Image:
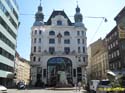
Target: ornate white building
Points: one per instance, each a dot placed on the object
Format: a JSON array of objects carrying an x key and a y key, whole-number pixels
[{"x": 58, "y": 45}]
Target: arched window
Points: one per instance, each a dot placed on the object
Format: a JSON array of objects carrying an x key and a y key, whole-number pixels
[
  {"x": 35, "y": 32},
  {"x": 40, "y": 32},
  {"x": 51, "y": 33},
  {"x": 66, "y": 33},
  {"x": 34, "y": 58},
  {"x": 59, "y": 22}
]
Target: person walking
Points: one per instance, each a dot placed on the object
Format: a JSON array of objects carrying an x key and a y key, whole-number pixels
[{"x": 79, "y": 85}]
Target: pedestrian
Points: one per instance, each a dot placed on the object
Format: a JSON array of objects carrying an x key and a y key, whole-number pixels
[
  {"x": 79, "y": 85},
  {"x": 76, "y": 86}
]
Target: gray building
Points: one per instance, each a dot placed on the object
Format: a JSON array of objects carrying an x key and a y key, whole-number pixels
[{"x": 8, "y": 32}]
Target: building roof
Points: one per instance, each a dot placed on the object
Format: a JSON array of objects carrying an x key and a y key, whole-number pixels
[
  {"x": 55, "y": 13},
  {"x": 120, "y": 14},
  {"x": 112, "y": 31}
]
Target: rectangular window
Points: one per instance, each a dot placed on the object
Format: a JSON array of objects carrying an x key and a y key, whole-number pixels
[
  {"x": 84, "y": 59},
  {"x": 79, "y": 70},
  {"x": 8, "y": 29},
  {"x": 74, "y": 72},
  {"x": 51, "y": 41},
  {"x": 34, "y": 49},
  {"x": 39, "y": 40},
  {"x": 67, "y": 50},
  {"x": 78, "y": 40},
  {"x": 82, "y": 33},
  {"x": 51, "y": 50},
  {"x": 118, "y": 53},
  {"x": 78, "y": 33},
  {"x": 39, "y": 59},
  {"x": 83, "y": 50},
  {"x": 79, "y": 50},
  {"x": 40, "y": 32},
  {"x": 6, "y": 54},
  {"x": 0, "y": 50},
  {"x": 7, "y": 41},
  {"x": 35, "y": 40},
  {"x": 39, "y": 49},
  {"x": 82, "y": 41},
  {"x": 44, "y": 72},
  {"x": 66, "y": 41},
  {"x": 79, "y": 73},
  {"x": 6, "y": 67},
  {"x": 2, "y": 7}
]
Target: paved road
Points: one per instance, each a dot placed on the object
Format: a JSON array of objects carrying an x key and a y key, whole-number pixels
[{"x": 41, "y": 91}]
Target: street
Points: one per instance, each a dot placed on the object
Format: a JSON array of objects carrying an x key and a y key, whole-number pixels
[{"x": 41, "y": 91}]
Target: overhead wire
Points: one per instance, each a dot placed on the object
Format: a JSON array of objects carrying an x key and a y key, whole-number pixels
[
  {"x": 103, "y": 19},
  {"x": 96, "y": 30}
]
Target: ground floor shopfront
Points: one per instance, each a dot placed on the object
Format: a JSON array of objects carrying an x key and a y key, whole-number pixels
[
  {"x": 6, "y": 79},
  {"x": 52, "y": 70}
]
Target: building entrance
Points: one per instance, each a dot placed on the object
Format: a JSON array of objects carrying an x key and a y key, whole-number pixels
[{"x": 59, "y": 71}]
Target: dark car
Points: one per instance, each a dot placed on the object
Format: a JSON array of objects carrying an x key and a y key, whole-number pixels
[{"x": 21, "y": 85}]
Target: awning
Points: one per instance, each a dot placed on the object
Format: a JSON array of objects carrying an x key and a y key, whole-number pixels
[
  {"x": 10, "y": 75},
  {"x": 111, "y": 73},
  {"x": 116, "y": 73}
]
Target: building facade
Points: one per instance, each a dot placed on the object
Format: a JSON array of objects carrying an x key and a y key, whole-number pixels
[
  {"x": 98, "y": 60},
  {"x": 58, "y": 45},
  {"x": 8, "y": 32},
  {"x": 22, "y": 70},
  {"x": 116, "y": 43}
]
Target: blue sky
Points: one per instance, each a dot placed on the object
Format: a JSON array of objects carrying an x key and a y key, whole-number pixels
[{"x": 93, "y": 8}]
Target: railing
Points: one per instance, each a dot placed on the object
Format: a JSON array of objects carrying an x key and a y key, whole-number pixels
[{"x": 83, "y": 64}]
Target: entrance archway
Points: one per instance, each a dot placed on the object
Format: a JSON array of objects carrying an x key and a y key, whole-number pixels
[{"x": 56, "y": 64}]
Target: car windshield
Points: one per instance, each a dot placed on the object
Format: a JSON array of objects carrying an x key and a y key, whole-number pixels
[{"x": 104, "y": 82}]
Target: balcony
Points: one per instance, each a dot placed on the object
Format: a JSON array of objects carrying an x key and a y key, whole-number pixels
[
  {"x": 35, "y": 63},
  {"x": 82, "y": 64}
]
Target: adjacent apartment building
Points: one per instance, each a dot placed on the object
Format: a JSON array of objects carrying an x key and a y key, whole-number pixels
[
  {"x": 22, "y": 69},
  {"x": 58, "y": 45},
  {"x": 98, "y": 60},
  {"x": 8, "y": 33},
  {"x": 116, "y": 44}
]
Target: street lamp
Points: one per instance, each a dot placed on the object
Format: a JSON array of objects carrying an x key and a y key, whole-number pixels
[{"x": 105, "y": 19}]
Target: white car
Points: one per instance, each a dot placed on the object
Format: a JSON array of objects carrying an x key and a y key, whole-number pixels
[
  {"x": 3, "y": 89},
  {"x": 93, "y": 85}
]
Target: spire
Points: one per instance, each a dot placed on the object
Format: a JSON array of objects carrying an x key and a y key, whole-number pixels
[
  {"x": 78, "y": 16},
  {"x": 40, "y": 2},
  {"x": 40, "y": 7},
  {"x": 39, "y": 16},
  {"x": 77, "y": 9}
]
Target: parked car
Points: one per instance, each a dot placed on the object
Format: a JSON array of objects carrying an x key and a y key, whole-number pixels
[
  {"x": 3, "y": 89},
  {"x": 103, "y": 86},
  {"x": 21, "y": 85},
  {"x": 93, "y": 85}
]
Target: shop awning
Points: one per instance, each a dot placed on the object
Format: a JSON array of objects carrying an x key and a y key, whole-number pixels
[
  {"x": 116, "y": 73},
  {"x": 10, "y": 75}
]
